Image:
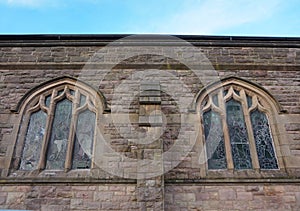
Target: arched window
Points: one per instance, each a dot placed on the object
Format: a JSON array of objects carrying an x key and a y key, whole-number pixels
[
  {"x": 236, "y": 127},
  {"x": 58, "y": 127}
]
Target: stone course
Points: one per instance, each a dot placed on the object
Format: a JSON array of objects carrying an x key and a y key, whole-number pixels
[
  {"x": 177, "y": 197},
  {"x": 274, "y": 65},
  {"x": 69, "y": 197},
  {"x": 232, "y": 197}
]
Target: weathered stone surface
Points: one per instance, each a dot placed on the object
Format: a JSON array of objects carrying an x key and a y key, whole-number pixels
[
  {"x": 274, "y": 68},
  {"x": 231, "y": 198},
  {"x": 227, "y": 194}
]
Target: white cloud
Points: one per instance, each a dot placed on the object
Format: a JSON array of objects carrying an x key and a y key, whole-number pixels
[
  {"x": 211, "y": 16},
  {"x": 29, "y": 3},
  {"x": 45, "y": 3}
]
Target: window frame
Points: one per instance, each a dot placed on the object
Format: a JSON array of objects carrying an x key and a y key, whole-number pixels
[
  {"x": 263, "y": 101},
  {"x": 34, "y": 101}
]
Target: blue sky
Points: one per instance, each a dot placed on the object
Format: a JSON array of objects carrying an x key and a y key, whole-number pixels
[{"x": 203, "y": 17}]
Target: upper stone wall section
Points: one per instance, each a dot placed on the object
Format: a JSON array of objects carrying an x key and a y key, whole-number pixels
[
  {"x": 79, "y": 49},
  {"x": 273, "y": 63}
]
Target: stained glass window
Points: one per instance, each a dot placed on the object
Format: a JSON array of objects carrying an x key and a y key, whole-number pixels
[
  {"x": 263, "y": 140},
  {"x": 33, "y": 141},
  {"x": 236, "y": 123},
  {"x": 84, "y": 137},
  {"x": 214, "y": 137},
  {"x": 59, "y": 135},
  {"x": 238, "y": 135}
]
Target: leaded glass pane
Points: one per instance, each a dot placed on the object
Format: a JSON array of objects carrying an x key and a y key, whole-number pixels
[
  {"x": 47, "y": 100},
  {"x": 82, "y": 100},
  {"x": 215, "y": 100},
  {"x": 57, "y": 148},
  {"x": 72, "y": 92},
  {"x": 205, "y": 101},
  {"x": 84, "y": 140},
  {"x": 225, "y": 92},
  {"x": 249, "y": 101},
  {"x": 236, "y": 91},
  {"x": 214, "y": 140},
  {"x": 60, "y": 92},
  {"x": 263, "y": 140},
  {"x": 238, "y": 135},
  {"x": 33, "y": 141}
]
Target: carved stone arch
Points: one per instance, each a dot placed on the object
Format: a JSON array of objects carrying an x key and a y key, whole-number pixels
[
  {"x": 83, "y": 98},
  {"x": 64, "y": 80},
  {"x": 243, "y": 83},
  {"x": 214, "y": 97}
]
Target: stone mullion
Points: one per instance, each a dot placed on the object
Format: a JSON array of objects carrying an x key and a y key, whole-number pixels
[
  {"x": 228, "y": 150},
  {"x": 69, "y": 154},
  {"x": 253, "y": 152},
  {"x": 50, "y": 117}
]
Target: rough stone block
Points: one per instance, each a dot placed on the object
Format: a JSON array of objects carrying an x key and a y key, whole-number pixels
[
  {"x": 244, "y": 196},
  {"x": 227, "y": 194}
]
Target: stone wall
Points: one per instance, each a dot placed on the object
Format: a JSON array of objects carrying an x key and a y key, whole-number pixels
[
  {"x": 233, "y": 197},
  {"x": 177, "y": 197},
  {"x": 62, "y": 197},
  {"x": 273, "y": 64}
]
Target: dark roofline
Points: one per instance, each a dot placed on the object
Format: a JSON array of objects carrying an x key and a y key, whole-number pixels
[
  {"x": 152, "y": 36},
  {"x": 104, "y": 39}
]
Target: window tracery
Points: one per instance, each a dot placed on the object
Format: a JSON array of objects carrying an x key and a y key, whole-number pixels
[
  {"x": 58, "y": 129},
  {"x": 236, "y": 130}
]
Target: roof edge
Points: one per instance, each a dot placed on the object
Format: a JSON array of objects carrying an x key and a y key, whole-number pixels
[
  {"x": 144, "y": 39},
  {"x": 152, "y": 36}
]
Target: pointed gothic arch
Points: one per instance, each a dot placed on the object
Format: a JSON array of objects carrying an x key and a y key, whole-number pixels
[
  {"x": 58, "y": 121},
  {"x": 56, "y": 82},
  {"x": 246, "y": 84},
  {"x": 238, "y": 123}
]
